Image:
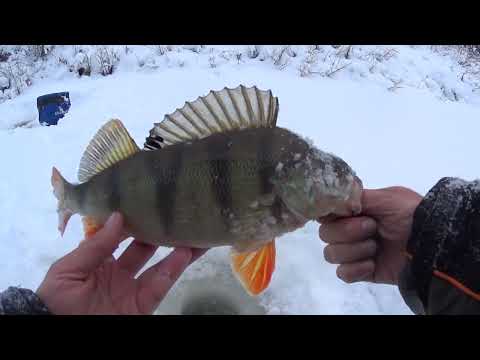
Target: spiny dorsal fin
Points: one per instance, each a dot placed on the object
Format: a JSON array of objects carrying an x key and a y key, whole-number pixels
[
  {"x": 110, "y": 144},
  {"x": 219, "y": 111}
]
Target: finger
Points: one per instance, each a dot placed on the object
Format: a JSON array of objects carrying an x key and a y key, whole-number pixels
[
  {"x": 359, "y": 271},
  {"x": 328, "y": 219},
  {"x": 136, "y": 256},
  {"x": 347, "y": 253},
  {"x": 380, "y": 201},
  {"x": 155, "y": 282},
  {"x": 347, "y": 230},
  {"x": 373, "y": 200},
  {"x": 91, "y": 253}
]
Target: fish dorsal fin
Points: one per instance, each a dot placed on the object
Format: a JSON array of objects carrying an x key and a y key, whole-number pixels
[
  {"x": 111, "y": 144},
  {"x": 219, "y": 111}
]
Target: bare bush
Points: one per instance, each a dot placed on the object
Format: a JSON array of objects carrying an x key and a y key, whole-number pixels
[
  {"x": 162, "y": 49},
  {"x": 253, "y": 51},
  {"x": 107, "y": 59},
  {"x": 226, "y": 55},
  {"x": 306, "y": 68},
  {"x": 467, "y": 55},
  {"x": 212, "y": 61},
  {"x": 4, "y": 55},
  {"x": 63, "y": 60},
  {"x": 470, "y": 73},
  {"x": 344, "y": 51},
  {"x": 238, "y": 56},
  {"x": 194, "y": 48},
  {"x": 82, "y": 64},
  {"x": 388, "y": 54},
  {"x": 5, "y": 84},
  {"x": 396, "y": 85},
  {"x": 77, "y": 49},
  {"x": 280, "y": 56},
  {"x": 86, "y": 67},
  {"x": 468, "y": 52},
  {"x": 37, "y": 52},
  {"x": 449, "y": 93},
  {"x": 378, "y": 55},
  {"x": 16, "y": 76},
  {"x": 336, "y": 64},
  {"x": 329, "y": 60}
]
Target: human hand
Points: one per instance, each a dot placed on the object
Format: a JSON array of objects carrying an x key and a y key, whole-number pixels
[
  {"x": 89, "y": 280},
  {"x": 371, "y": 246}
]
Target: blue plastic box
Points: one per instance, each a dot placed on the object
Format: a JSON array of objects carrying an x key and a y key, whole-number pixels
[{"x": 52, "y": 107}]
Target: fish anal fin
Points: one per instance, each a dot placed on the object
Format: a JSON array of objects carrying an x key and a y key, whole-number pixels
[
  {"x": 63, "y": 217},
  {"x": 90, "y": 226},
  {"x": 254, "y": 269}
]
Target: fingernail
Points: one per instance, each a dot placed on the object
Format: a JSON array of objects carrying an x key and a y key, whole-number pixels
[
  {"x": 369, "y": 224},
  {"x": 113, "y": 219}
]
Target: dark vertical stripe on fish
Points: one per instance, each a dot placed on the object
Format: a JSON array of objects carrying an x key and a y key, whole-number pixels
[
  {"x": 166, "y": 190},
  {"x": 81, "y": 191},
  {"x": 264, "y": 153},
  {"x": 221, "y": 175},
  {"x": 276, "y": 210},
  {"x": 114, "y": 199}
]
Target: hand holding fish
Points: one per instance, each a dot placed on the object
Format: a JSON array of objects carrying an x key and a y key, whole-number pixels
[
  {"x": 89, "y": 280},
  {"x": 371, "y": 247}
]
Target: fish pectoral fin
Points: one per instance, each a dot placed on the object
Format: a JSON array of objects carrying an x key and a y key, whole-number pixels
[
  {"x": 111, "y": 144},
  {"x": 254, "y": 269},
  {"x": 219, "y": 111},
  {"x": 90, "y": 226}
]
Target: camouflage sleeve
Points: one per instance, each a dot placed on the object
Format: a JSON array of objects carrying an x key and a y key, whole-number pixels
[
  {"x": 18, "y": 301},
  {"x": 442, "y": 275}
]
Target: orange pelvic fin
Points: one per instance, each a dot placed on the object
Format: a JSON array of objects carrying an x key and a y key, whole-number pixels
[
  {"x": 254, "y": 269},
  {"x": 90, "y": 226}
]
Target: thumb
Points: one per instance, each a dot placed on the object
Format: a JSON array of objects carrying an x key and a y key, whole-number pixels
[
  {"x": 93, "y": 252},
  {"x": 372, "y": 200},
  {"x": 388, "y": 200},
  {"x": 372, "y": 204}
]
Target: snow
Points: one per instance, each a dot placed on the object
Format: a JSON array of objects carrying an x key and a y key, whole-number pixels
[{"x": 411, "y": 136}]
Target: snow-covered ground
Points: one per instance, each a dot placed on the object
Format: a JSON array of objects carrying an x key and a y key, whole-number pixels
[{"x": 410, "y": 136}]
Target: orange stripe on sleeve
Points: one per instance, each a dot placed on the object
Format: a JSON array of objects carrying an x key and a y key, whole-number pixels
[{"x": 457, "y": 284}]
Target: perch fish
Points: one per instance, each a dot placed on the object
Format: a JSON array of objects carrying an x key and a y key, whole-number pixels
[{"x": 216, "y": 172}]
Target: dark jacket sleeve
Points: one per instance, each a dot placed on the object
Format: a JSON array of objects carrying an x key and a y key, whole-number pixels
[
  {"x": 442, "y": 275},
  {"x": 18, "y": 301}
]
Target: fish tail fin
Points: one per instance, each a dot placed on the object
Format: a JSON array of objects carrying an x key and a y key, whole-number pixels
[
  {"x": 60, "y": 188},
  {"x": 254, "y": 269}
]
